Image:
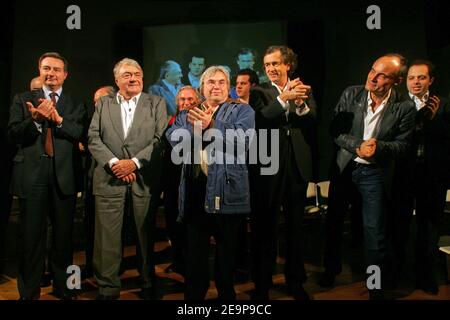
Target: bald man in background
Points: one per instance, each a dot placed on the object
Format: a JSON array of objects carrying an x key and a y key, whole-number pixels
[
  {"x": 36, "y": 83},
  {"x": 372, "y": 129}
]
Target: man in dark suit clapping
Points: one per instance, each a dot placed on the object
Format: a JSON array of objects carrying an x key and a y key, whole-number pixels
[
  {"x": 46, "y": 125},
  {"x": 286, "y": 107}
]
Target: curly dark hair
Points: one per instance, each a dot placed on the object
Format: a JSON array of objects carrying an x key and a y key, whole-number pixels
[{"x": 288, "y": 56}]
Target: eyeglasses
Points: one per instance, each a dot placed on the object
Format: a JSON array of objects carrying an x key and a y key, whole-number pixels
[
  {"x": 128, "y": 75},
  {"x": 219, "y": 83}
]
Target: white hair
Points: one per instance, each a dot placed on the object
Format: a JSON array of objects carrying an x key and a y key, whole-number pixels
[
  {"x": 211, "y": 71},
  {"x": 125, "y": 62}
]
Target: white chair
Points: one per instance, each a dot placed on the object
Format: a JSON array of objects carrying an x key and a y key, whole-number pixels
[
  {"x": 312, "y": 197},
  {"x": 447, "y": 204},
  {"x": 316, "y": 194},
  {"x": 324, "y": 187},
  {"x": 445, "y": 249}
]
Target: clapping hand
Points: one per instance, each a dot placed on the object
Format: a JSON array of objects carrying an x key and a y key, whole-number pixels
[{"x": 197, "y": 114}]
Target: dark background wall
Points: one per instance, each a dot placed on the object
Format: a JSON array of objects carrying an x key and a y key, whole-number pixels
[{"x": 334, "y": 46}]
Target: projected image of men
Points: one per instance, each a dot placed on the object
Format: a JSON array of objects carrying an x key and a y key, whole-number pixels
[
  {"x": 246, "y": 58},
  {"x": 168, "y": 85},
  {"x": 196, "y": 67}
]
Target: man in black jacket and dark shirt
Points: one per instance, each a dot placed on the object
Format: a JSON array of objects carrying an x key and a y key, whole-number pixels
[
  {"x": 287, "y": 108},
  {"x": 428, "y": 172}
]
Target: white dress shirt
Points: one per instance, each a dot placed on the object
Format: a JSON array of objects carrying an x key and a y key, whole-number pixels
[
  {"x": 127, "y": 109},
  {"x": 372, "y": 121},
  {"x": 419, "y": 102}
]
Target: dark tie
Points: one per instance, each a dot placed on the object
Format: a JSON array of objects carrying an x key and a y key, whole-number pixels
[{"x": 48, "y": 145}]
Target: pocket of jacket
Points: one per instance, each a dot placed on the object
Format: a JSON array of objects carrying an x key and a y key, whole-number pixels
[{"x": 236, "y": 190}]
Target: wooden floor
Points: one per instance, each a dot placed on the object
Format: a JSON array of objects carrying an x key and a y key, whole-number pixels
[{"x": 348, "y": 286}]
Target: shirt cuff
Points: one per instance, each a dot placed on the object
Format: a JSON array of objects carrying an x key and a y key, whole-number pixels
[
  {"x": 112, "y": 161},
  {"x": 138, "y": 164},
  {"x": 285, "y": 105},
  {"x": 302, "y": 110},
  {"x": 60, "y": 125},
  {"x": 38, "y": 126}
]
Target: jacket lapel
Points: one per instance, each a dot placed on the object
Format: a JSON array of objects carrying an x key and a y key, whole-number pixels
[
  {"x": 387, "y": 121},
  {"x": 61, "y": 103},
  {"x": 273, "y": 92},
  {"x": 388, "y": 118},
  {"x": 116, "y": 117},
  {"x": 360, "y": 112}
]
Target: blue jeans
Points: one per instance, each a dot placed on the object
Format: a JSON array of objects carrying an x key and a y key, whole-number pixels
[{"x": 369, "y": 181}]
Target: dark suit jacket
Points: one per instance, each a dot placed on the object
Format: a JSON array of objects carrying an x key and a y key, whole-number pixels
[
  {"x": 394, "y": 132},
  {"x": 22, "y": 131},
  {"x": 436, "y": 135},
  {"x": 270, "y": 115}
]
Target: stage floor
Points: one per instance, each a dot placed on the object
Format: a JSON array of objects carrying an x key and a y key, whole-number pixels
[{"x": 349, "y": 285}]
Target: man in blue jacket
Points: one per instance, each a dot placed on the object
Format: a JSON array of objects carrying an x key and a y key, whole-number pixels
[{"x": 214, "y": 193}]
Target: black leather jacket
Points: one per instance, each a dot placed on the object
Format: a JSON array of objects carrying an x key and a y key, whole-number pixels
[{"x": 393, "y": 133}]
